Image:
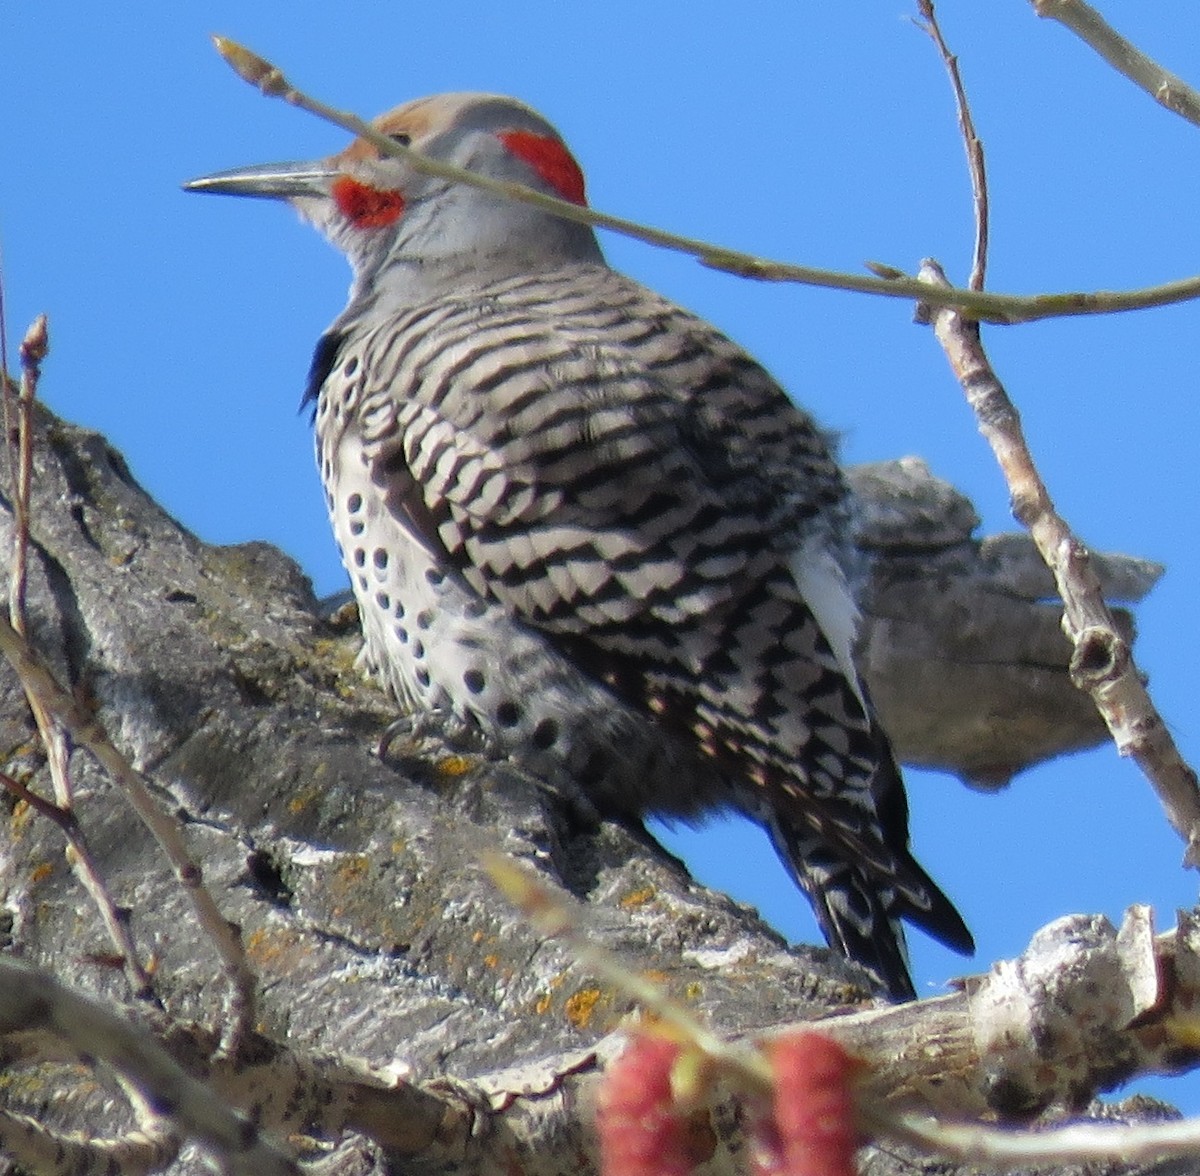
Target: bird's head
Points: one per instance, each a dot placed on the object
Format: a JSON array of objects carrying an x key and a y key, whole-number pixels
[{"x": 380, "y": 210}]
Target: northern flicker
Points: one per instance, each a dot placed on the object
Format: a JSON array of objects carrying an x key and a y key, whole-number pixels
[{"x": 582, "y": 520}]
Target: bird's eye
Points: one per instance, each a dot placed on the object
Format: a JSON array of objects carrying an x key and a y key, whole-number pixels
[{"x": 401, "y": 138}]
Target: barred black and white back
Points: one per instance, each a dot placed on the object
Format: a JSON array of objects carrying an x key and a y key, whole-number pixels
[
  {"x": 582, "y": 519},
  {"x": 613, "y": 542}
]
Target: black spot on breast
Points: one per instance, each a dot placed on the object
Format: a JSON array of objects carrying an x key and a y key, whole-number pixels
[
  {"x": 508, "y": 713},
  {"x": 474, "y": 681},
  {"x": 545, "y": 734}
]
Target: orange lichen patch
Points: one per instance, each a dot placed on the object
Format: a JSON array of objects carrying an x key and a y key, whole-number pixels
[
  {"x": 302, "y": 800},
  {"x": 275, "y": 951},
  {"x": 542, "y": 1005},
  {"x": 453, "y": 766},
  {"x": 491, "y": 960},
  {"x": 346, "y": 881},
  {"x": 22, "y": 813},
  {"x": 352, "y": 868},
  {"x": 580, "y": 1006},
  {"x": 40, "y": 872},
  {"x": 656, "y": 976},
  {"x": 638, "y": 897}
]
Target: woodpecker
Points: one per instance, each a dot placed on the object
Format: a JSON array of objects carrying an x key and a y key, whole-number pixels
[{"x": 588, "y": 525}]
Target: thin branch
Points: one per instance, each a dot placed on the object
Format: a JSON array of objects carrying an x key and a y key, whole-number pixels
[
  {"x": 31, "y": 999},
  {"x": 986, "y": 307},
  {"x": 34, "y": 348},
  {"x": 1102, "y": 663},
  {"x": 971, "y": 143},
  {"x": 87, "y": 870},
  {"x": 85, "y": 729},
  {"x": 1086, "y": 23},
  {"x": 40, "y": 805},
  {"x": 1083, "y": 1143},
  {"x": 20, "y": 432},
  {"x": 38, "y": 1148}
]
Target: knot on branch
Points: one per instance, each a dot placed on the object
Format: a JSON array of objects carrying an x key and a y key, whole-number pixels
[
  {"x": 1100, "y": 655},
  {"x": 1043, "y": 1019}
]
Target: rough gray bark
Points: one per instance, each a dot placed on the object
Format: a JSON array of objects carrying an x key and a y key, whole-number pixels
[{"x": 366, "y": 917}]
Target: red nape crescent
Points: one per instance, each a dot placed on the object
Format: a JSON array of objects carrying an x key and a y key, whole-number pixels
[
  {"x": 551, "y": 160},
  {"x": 366, "y": 207}
]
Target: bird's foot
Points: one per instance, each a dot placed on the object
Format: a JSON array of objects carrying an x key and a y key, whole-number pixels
[{"x": 432, "y": 734}]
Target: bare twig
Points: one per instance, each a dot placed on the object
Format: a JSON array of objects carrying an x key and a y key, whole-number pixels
[
  {"x": 86, "y": 730},
  {"x": 87, "y": 870},
  {"x": 971, "y": 142},
  {"x": 40, "y": 805},
  {"x": 32, "y": 1000},
  {"x": 1102, "y": 663},
  {"x": 34, "y": 348},
  {"x": 38, "y": 1148},
  {"x": 1082, "y": 1143},
  {"x": 981, "y": 305},
  {"x": 1086, "y": 23},
  {"x": 20, "y": 431},
  {"x": 58, "y": 716}
]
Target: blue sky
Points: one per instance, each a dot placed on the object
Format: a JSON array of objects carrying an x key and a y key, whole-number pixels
[{"x": 820, "y": 133}]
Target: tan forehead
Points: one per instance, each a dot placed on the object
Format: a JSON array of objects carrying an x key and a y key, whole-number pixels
[{"x": 417, "y": 119}]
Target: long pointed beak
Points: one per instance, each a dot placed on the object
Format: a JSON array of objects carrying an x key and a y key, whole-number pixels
[{"x": 277, "y": 181}]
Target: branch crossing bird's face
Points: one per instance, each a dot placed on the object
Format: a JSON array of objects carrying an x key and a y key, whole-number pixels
[{"x": 375, "y": 207}]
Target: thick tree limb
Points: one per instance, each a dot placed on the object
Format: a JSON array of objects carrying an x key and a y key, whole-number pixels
[{"x": 369, "y": 926}]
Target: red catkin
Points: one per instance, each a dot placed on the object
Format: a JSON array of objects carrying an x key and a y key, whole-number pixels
[
  {"x": 641, "y": 1131},
  {"x": 812, "y": 1130}
]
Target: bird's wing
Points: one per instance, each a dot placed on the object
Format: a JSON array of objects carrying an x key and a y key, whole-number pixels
[
  {"x": 585, "y": 481},
  {"x": 641, "y": 496}
]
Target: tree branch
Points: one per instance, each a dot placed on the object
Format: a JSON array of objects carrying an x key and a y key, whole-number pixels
[
  {"x": 1102, "y": 664},
  {"x": 987, "y": 307},
  {"x": 1126, "y": 58}
]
